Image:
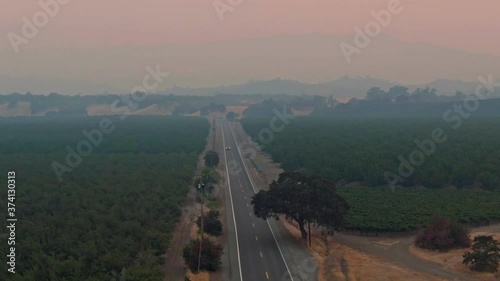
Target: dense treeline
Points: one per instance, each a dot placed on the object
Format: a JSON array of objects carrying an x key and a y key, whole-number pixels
[
  {"x": 56, "y": 105},
  {"x": 135, "y": 134},
  {"x": 358, "y": 152},
  {"x": 433, "y": 106},
  {"x": 363, "y": 150},
  {"x": 111, "y": 218},
  {"x": 269, "y": 107}
]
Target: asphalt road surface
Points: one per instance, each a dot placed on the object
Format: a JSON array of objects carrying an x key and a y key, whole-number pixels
[{"x": 258, "y": 253}]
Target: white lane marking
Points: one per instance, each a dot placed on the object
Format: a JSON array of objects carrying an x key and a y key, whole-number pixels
[
  {"x": 232, "y": 206},
  {"x": 255, "y": 191}
]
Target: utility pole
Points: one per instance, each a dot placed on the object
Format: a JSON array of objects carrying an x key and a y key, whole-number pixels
[
  {"x": 213, "y": 132},
  {"x": 201, "y": 185},
  {"x": 309, "y": 225}
]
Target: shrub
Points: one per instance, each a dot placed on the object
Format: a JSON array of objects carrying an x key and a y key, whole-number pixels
[
  {"x": 210, "y": 255},
  {"x": 211, "y": 158},
  {"x": 211, "y": 223},
  {"x": 442, "y": 234}
]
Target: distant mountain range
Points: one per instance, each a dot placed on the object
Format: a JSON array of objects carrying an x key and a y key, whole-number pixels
[
  {"x": 312, "y": 58},
  {"x": 346, "y": 87}
]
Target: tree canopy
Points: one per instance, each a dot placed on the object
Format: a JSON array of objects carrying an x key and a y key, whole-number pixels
[
  {"x": 303, "y": 199},
  {"x": 211, "y": 158},
  {"x": 485, "y": 255},
  {"x": 112, "y": 217},
  {"x": 443, "y": 234}
]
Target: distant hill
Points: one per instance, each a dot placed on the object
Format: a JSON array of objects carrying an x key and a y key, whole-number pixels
[
  {"x": 342, "y": 88},
  {"x": 313, "y": 58}
]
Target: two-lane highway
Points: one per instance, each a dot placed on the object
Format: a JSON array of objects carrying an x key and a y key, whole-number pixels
[{"x": 258, "y": 252}]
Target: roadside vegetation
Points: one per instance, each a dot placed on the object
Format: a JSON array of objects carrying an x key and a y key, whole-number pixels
[
  {"x": 305, "y": 200},
  {"x": 204, "y": 252}
]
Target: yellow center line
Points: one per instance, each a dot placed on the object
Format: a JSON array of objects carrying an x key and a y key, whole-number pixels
[{"x": 267, "y": 275}]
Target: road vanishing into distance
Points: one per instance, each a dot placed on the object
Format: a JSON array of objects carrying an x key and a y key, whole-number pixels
[{"x": 259, "y": 256}]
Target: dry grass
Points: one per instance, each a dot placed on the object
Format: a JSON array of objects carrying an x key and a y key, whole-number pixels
[
  {"x": 99, "y": 109},
  {"x": 202, "y": 276},
  {"x": 302, "y": 112},
  {"x": 106, "y": 109},
  {"x": 154, "y": 110},
  {"x": 236, "y": 109},
  {"x": 453, "y": 259},
  {"x": 360, "y": 266},
  {"x": 21, "y": 109}
]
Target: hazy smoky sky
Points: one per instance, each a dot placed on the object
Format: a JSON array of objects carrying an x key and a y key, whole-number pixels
[{"x": 466, "y": 25}]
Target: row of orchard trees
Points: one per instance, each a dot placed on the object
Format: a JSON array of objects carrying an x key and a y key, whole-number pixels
[
  {"x": 366, "y": 150},
  {"x": 112, "y": 217}
]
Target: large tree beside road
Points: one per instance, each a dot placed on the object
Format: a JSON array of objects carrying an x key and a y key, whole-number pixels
[{"x": 305, "y": 200}]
